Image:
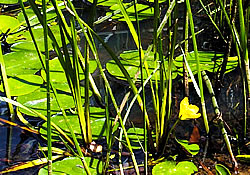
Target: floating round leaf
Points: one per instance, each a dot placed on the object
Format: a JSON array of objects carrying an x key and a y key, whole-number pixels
[
  {"x": 170, "y": 168},
  {"x": 10, "y": 1},
  {"x": 23, "y": 84},
  {"x": 131, "y": 62},
  {"x": 32, "y": 16},
  {"x": 73, "y": 166},
  {"x": 209, "y": 61},
  {"x": 144, "y": 12},
  {"x": 107, "y": 2},
  {"x": 186, "y": 167},
  {"x": 64, "y": 88},
  {"x": 8, "y": 23},
  {"x": 57, "y": 72},
  {"x": 37, "y": 100},
  {"x": 191, "y": 148},
  {"x": 18, "y": 63},
  {"x": 166, "y": 167},
  {"x": 38, "y": 34},
  {"x": 136, "y": 135},
  {"x": 97, "y": 120}
]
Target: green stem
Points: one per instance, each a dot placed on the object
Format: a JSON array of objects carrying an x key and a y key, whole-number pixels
[
  {"x": 5, "y": 82},
  {"x": 143, "y": 94},
  {"x": 45, "y": 32},
  {"x": 170, "y": 131},
  {"x": 204, "y": 114},
  {"x": 219, "y": 117}
]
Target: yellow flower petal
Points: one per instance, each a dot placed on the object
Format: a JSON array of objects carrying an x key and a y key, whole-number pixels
[{"x": 188, "y": 111}]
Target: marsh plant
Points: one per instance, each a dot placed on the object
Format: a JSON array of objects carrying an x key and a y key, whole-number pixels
[{"x": 46, "y": 73}]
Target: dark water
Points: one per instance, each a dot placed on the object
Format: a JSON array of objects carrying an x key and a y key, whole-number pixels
[{"x": 16, "y": 146}]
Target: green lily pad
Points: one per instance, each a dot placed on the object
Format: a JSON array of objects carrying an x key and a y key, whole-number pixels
[
  {"x": 23, "y": 84},
  {"x": 209, "y": 61},
  {"x": 131, "y": 62},
  {"x": 37, "y": 100},
  {"x": 136, "y": 135},
  {"x": 34, "y": 20},
  {"x": 112, "y": 2},
  {"x": 32, "y": 16},
  {"x": 97, "y": 120},
  {"x": 40, "y": 2},
  {"x": 19, "y": 63},
  {"x": 221, "y": 170},
  {"x": 64, "y": 88},
  {"x": 28, "y": 44},
  {"x": 170, "y": 168},
  {"x": 160, "y": 1},
  {"x": 144, "y": 12},
  {"x": 57, "y": 73},
  {"x": 73, "y": 166},
  {"x": 191, "y": 148},
  {"x": 14, "y": 37},
  {"x": 106, "y": 2},
  {"x": 8, "y": 22},
  {"x": 10, "y": 1}
]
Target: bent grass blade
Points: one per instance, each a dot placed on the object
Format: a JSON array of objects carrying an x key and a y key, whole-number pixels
[{"x": 29, "y": 164}]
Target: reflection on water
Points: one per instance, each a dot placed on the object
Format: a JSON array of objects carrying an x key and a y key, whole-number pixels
[{"x": 16, "y": 146}]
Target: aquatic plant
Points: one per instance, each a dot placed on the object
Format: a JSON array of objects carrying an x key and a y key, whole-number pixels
[{"x": 50, "y": 87}]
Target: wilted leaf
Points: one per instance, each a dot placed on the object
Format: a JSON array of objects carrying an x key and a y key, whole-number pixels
[{"x": 29, "y": 164}]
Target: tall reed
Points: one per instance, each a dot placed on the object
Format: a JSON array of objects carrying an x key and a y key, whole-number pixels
[
  {"x": 5, "y": 83},
  {"x": 45, "y": 34},
  {"x": 204, "y": 114}
]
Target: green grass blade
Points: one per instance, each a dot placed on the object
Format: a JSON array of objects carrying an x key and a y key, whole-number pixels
[
  {"x": 130, "y": 24},
  {"x": 198, "y": 66},
  {"x": 166, "y": 16},
  {"x": 76, "y": 85},
  {"x": 52, "y": 87},
  {"x": 143, "y": 94},
  {"x": 45, "y": 31},
  {"x": 36, "y": 114},
  {"x": 112, "y": 54},
  {"x": 5, "y": 81},
  {"x": 244, "y": 44},
  {"x": 219, "y": 117},
  {"x": 213, "y": 22},
  {"x": 94, "y": 51}
]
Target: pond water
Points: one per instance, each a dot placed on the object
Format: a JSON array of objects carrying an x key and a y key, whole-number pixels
[{"x": 18, "y": 145}]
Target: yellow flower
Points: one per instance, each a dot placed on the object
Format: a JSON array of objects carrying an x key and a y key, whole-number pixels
[{"x": 188, "y": 111}]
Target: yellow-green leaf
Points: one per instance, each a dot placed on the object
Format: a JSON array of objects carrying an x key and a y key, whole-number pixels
[{"x": 29, "y": 164}]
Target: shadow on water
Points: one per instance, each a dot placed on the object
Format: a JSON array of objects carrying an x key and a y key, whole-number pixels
[{"x": 16, "y": 146}]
